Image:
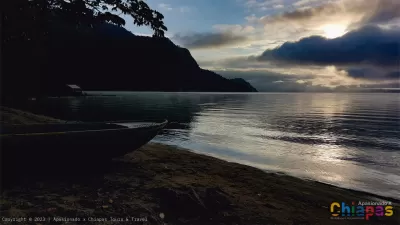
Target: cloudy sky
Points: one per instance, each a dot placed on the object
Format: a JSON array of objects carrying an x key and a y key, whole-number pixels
[{"x": 290, "y": 45}]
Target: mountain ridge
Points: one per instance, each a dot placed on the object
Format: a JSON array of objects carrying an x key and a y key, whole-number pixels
[
  {"x": 107, "y": 58},
  {"x": 170, "y": 67}
]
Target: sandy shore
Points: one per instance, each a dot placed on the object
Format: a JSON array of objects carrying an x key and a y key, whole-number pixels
[{"x": 168, "y": 185}]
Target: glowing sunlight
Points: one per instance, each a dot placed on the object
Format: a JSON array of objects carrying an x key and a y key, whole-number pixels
[{"x": 334, "y": 30}]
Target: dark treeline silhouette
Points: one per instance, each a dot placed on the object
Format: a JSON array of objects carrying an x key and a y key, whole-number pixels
[{"x": 50, "y": 43}]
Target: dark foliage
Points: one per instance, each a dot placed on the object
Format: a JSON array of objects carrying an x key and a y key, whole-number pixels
[{"x": 30, "y": 19}]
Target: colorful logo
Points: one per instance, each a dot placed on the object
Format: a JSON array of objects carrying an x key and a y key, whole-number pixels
[{"x": 360, "y": 210}]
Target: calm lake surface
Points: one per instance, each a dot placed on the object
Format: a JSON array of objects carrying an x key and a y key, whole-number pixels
[{"x": 349, "y": 140}]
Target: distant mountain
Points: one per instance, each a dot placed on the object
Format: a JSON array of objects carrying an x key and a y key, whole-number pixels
[
  {"x": 110, "y": 58},
  {"x": 242, "y": 82}
]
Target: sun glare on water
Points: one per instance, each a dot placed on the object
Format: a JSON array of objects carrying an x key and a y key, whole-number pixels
[{"x": 334, "y": 31}]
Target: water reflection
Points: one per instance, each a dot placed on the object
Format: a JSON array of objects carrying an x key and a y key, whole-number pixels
[
  {"x": 350, "y": 140},
  {"x": 317, "y": 136}
]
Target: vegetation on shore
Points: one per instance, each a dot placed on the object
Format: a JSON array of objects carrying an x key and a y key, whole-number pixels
[{"x": 168, "y": 185}]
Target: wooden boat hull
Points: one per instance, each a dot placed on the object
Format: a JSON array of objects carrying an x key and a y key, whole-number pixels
[{"x": 77, "y": 148}]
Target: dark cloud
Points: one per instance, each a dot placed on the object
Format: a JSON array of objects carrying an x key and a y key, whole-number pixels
[
  {"x": 393, "y": 75},
  {"x": 375, "y": 11},
  {"x": 305, "y": 14},
  {"x": 360, "y": 73},
  {"x": 209, "y": 40},
  {"x": 384, "y": 11},
  {"x": 373, "y": 74},
  {"x": 368, "y": 45},
  {"x": 312, "y": 13}
]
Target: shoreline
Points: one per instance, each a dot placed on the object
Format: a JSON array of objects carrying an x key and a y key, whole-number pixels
[
  {"x": 359, "y": 191},
  {"x": 168, "y": 184}
]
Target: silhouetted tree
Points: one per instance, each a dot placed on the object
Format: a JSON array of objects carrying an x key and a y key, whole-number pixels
[{"x": 29, "y": 18}]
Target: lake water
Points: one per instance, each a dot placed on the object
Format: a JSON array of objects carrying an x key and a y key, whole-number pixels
[{"x": 349, "y": 140}]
